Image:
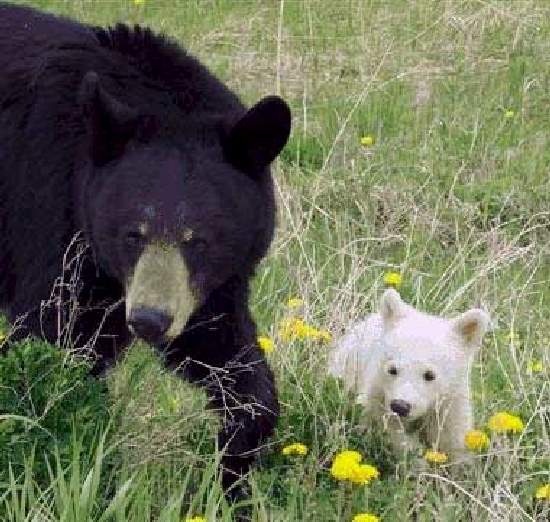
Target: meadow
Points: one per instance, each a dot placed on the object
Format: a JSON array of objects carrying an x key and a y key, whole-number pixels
[{"x": 421, "y": 146}]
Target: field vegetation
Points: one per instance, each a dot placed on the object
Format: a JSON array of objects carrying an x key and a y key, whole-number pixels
[{"x": 420, "y": 145}]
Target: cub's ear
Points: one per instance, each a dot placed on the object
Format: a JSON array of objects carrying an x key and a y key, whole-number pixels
[
  {"x": 471, "y": 326},
  {"x": 392, "y": 308},
  {"x": 110, "y": 124},
  {"x": 256, "y": 139}
]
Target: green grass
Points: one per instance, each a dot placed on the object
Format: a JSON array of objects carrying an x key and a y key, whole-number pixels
[{"x": 454, "y": 194}]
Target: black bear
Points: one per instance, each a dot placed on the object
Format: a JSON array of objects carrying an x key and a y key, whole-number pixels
[{"x": 136, "y": 200}]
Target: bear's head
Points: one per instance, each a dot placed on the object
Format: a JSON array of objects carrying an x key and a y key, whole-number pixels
[
  {"x": 425, "y": 359},
  {"x": 172, "y": 208}
]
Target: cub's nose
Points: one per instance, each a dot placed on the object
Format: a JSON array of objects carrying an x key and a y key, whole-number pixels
[
  {"x": 402, "y": 408},
  {"x": 149, "y": 324}
]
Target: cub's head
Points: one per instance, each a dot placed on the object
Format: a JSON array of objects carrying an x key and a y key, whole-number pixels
[
  {"x": 175, "y": 206},
  {"x": 425, "y": 358}
]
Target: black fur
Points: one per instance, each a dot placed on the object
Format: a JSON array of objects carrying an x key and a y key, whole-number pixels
[{"x": 97, "y": 124}]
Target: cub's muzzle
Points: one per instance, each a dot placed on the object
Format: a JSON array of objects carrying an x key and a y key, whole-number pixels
[{"x": 402, "y": 408}]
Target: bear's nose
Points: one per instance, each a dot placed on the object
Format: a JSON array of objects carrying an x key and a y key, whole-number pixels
[
  {"x": 402, "y": 408},
  {"x": 149, "y": 324}
]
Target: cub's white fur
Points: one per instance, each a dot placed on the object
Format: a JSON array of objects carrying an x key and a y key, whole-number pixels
[{"x": 412, "y": 369}]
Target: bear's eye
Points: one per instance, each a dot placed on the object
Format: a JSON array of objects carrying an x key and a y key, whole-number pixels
[
  {"x": 392, "y": 370},
  {"x": 134, "y": 238},
  {"x": 186, "y": 235},
  {"x": 429, "y": 375}
]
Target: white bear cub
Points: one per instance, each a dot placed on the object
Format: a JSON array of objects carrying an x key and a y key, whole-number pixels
[{"x": 412, "y": 369}]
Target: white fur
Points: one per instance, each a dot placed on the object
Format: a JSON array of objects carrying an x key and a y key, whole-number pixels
[{"x": 413, "y": 343}]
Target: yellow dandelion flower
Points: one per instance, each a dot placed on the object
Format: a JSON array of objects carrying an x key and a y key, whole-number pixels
[
  {"x": 509, "y": 114},
  {"x": 363, "y": 473},
  {"x": 344, "y": 464},
  {"x": 304, "y": 331},
  {"x": 533, "y": 366},
  {"x": 196, "y": 519},
  {"x": 436, "y": 457},
  {"x": 543, "y": 492},
  {"x": 367, "y": 140},
  {"x": 365, "y": 517},
  {"x": 349, "y": 455},
  {"x": 2, "y": 337},
  {"x": 266, "y": 344},
  {"x": 476, "y": 440},
  {"x": 139, "y": 2},
  {"x": 297, "y": 448},
  {"x": 514, "y": 337},
  {"x": 296, "y": 328},
  {"x": 324, "y": 335},
  {"x": 295, "y": 302},
  {"x": 503, "y": 421},
  {"x": 287, "y": 329},
  {"x": 173, "y": 404},
  {"x": 293, "y": 328},
  {"x": 393, "y": 279}
]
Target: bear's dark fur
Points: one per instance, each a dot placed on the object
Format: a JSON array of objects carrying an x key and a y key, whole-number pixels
[{"x": 117, "y": 151}]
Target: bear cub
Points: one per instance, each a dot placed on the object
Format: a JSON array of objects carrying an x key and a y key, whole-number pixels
[{"x": 412, "y": 370}]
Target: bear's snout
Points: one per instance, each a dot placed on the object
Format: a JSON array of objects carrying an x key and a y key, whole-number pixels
[
  {"x": 149, "y": 324},
  {"x": 402, "y": 408}
]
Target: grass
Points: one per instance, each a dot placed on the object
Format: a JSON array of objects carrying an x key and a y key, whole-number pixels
[{"x": 454, "y": 194}]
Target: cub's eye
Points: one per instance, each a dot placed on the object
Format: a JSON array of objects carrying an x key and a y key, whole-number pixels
[
  {"x": 429, "y": 375},
  {"x": 392, "y": 370},
  {"x": 134, "y": 238}
]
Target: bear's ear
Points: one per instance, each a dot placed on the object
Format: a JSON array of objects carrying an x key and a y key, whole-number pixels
[
  {"x": 392, "y": 308},
  {"x": 109, "y": 123},
  {"x": 471, "y": 326},
  {"x": 256, "y": 139}
]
